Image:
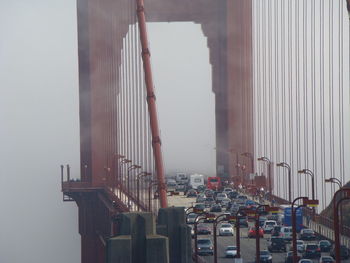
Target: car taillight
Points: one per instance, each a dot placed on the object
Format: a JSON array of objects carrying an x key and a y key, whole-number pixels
[{"x": 318, "y": 249}]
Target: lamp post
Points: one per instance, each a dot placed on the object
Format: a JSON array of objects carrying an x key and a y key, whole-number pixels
[
  {"x": 217, "y": 220},
  {"x": 251, "y": 157},
  {"x": 257, "y": 236},
  {"x": 334, "y": 180},
  {"x": 267, "y": 160},
  {"x": 138, "y": 178},
  {"x": 123, "y": 161},
  {"x": 285, "y": 165},
  {"x": 294, "y": 229},
  {"x": 309, "y": 172},
  {"x": 130, "y": 168},
  {"x": 196, "y": 221},
  {"x": 336, "y": 203},
  {"x": 151, "y": 183}
]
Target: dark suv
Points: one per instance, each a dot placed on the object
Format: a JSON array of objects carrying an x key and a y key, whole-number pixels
[
  {"x": 277, "y": 244},
  {"x": 312, "y": 251}
]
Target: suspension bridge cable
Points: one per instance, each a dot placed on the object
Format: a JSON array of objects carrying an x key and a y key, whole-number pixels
[
  {"x": 305, "y": 61},
  {"x": 322, "y": 92}
]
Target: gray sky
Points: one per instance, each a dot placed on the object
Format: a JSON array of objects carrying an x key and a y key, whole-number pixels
[{"x": 40, "y": 123}]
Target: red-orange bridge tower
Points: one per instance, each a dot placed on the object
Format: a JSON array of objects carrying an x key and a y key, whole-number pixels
[{"x": 120, "y": 148}]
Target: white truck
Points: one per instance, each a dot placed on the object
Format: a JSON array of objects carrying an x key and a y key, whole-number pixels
[{"x": 196, "y": 180}]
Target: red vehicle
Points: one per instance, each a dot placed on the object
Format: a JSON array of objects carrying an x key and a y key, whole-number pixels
[
  {"x": 214, "y": 183},
  {"x": 252, "y": 232}
]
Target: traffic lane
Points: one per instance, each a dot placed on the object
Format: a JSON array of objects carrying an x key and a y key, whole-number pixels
[{"x": 248, "y": 247}]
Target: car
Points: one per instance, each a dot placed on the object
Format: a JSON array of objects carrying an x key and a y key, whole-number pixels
[
  {"x": 220, "y": 197},
  {"x": 203, "y": 230},
  {"x": 191, "y": 218},
  {"x": 205, "y": 247},
  {"x": 199, "y": 206},
  {"x": 276, "y": 231},
  {"x": 344, "y": 252},
  {"x": 180, "y": 187},
  {"x": 300, "y": 246},
  {"x": 232, "y": 195},
  {"x": 277, "y": 244},
  {"x": 216, "y": 208},
  {"x": 226, "y": 230},
  {"x": 326, "y": 259},
  {"x": 265, "y": 256},
  {"x": 325, "y": 245},
  {"x": 269, "y": 225},
  {"x": 209, "y": 201},
  {"x": 252, "y": 232},
  {"x": 225, "y": 202},
  {"x": 307, "y": 234},
  {"x": 191, "y": 193},
  {"x": 304, "y": 260},
  {"x": 209, "y": 193},
  {"x": 312, "y": 251},
  {"x": 201, "y": 188},
  {"x": 230, "y": 251},
  {"x": 286, "y": 233},
  {"x": 227, "y": 190}
]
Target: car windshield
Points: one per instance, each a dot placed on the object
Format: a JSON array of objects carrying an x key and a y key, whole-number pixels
[
  {"x": 226, "y": 225},
  {"x": 277, "y": 240},
  {"x": 231, "y": 248},
  {"x": 324, "y": 242},
  {"x": 308, "y": 231},
  {"x": 204, "y": 242},
  {"x": 311, "y": 246},
  {"x": 300, "y": 242},
  {"x": 213, "y": 180},
  {"x": 192, "y": 215},
  {"x": 287, "y": 230},
  {"x": 264, "y": 253},
  {"x": 270, "y": 223}
]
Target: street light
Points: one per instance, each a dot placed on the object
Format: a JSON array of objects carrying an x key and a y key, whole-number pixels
[
  {"x": 251, "y": 157},
  {"x": 131, "y": 167},
  {"x": 336, "y": 220},
  {"x": 196, "y": 221},
  {"x": 306, "y": 201},
  {"x": 309, "y": 172},
  {"x": 334, "y": 180},
  {"x": 285, "y": 165},
  {"x": 267, "y": 160},
  {"x": 138, "y": 177}
]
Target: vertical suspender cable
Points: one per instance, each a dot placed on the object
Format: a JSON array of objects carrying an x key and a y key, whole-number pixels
[
  {"x": 277, "y": 52},
  {"x": 276, "y": 86},
  {"x": 270, "y": 116},
  {"x": 290, "y": 88},
  {"x": 313, "y": 90},
  {"x": 298, "y": 117},
  {"x": 151, "y": 104},
  {"x": 331, "y": 89},
  {"x": 341, "y": 94},
  {"x": 322, "y": 128},
  {"x": 305, "y": 148}
]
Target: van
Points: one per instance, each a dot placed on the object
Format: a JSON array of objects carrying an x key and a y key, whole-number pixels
[
  {"x": 196, "y": 180},
  {"x": 286, "y": 233},
  {"x": 269, "y": 225}
]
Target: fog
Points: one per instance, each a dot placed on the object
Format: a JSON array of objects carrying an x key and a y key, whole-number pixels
[{"x": 40, "y": 122}]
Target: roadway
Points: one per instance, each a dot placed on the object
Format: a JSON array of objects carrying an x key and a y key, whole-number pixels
[{"x": 248, "y": 247}]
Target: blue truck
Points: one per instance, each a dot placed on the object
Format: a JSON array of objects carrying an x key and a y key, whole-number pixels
[{"x": 288, "y": 217}]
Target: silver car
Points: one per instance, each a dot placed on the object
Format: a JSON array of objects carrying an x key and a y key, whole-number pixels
[
  {"x": 205, "y": 247},
  {"x": 231, "y": 251}
]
